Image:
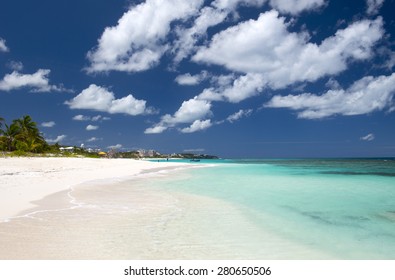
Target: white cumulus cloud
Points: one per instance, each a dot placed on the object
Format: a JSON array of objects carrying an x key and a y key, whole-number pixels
[
  {"x": 87, "y": 118},
  {"x": 81, "y": 118},
  {"x": 189, "y": 111},
  {"x": 38, "y": 82},
  {"x": 332, "y": 84},
  {"x": 58, "y": 139},
  {"x": 231, "y": 5},
  {"x": 48, "y": 124},
  {"x": 220, "y": 11},
  {"x": 296, "y": 6},
  {"x": 3, "y": 47},
  {"x": 93, "y": 139},
  {"x": 140, "y": 38},
  {"x": 373, "y": 6},
  {"x": 190, "y": 80},
  {"x": 15, "y": 65},
  {"x": 207, "y": 17},
  {"x": 278, "y": 58},
  {"x": 189, "y": 37},
  {"x": 235, "y": 90},
  {"x": 285, "y": 6},
  {"x": 137, "y": 42},
  {"x": 238, "y": 115},
  {"x": 101, "y": 99},
  {"x": 366, "y": 95},
  {"x": 196, "y": 126},
  {"x": 158, "y": 128},
  {"x": 92, "y": 127},
  {"x": 369, "y": 137},
  {"x": 97, "y": 118}
]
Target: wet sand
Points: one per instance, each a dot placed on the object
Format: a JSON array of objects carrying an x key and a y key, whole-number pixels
[
  {"x": 25, "y": 180},
  {"x": 131, "y": 220}
]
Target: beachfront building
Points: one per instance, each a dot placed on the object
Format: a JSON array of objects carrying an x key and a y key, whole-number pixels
[
  {"x": 66, "y": 149},
  {"x": 90, "y": 150},
  {"x": 147, "y": 153}
]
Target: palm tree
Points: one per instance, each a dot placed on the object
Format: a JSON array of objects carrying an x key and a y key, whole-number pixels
[
  {"x": 29, "y": 133},
  {"x": 22, "y": 135},
  {"x": 28, "y": 127},
  {"x": 10, "y": 135},
  {"x": 29, "y": 145},
  {"x": 1, "y": 133},
  {"x": 1, "y": 124}
]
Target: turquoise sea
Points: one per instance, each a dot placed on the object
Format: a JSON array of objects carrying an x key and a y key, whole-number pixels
[
  {"x": 303, "y": 209},
  {"x": 342, "y": 207}
]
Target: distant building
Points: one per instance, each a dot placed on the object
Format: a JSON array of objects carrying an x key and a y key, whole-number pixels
[
  {"x": 147, "y": 153},
  {"x": 90, "y": 150},
  {"x": 67, "y": 149}
]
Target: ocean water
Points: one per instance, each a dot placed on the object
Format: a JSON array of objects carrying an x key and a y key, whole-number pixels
[
  {"x": 218, "y": 209},
  {"x": 344, "y": 208}
]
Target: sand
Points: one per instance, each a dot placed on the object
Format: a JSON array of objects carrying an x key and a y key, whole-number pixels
[
  {"x": 25, "y": 180},
  {"x": 65, "y": 208}
]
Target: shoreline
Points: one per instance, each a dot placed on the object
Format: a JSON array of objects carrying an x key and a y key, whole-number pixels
[
  {"x": 67, "y": 208},
  {"x": 136, "y": 220},
  {"x": 26, "y": 180}
]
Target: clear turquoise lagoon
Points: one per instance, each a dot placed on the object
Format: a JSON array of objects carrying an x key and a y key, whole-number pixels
[
  {"x": 342, "y": 207},
  {"x": 303, "y": 209}
]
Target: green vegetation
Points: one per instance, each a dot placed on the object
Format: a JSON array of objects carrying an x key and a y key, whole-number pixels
[
  {"x": 22, "y": 136},
  {"x": 130, "y": 154},
  {"x": 196, "y": 156}
]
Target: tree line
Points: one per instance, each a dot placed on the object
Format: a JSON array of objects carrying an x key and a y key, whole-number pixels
[{"x": 22, "y": 135}]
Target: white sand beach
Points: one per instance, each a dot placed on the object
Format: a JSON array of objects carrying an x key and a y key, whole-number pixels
[
  {"x": 79, "y": 208},
  {"x": 25, "y": 180}
]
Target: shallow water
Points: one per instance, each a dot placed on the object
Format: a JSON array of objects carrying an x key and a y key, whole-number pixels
[
  {"x": 233, "y": 209},
  {"x": 345, "y": 208}
]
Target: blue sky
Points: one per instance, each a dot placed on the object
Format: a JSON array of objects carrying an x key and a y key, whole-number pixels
[{"x": 235, "y": 78}]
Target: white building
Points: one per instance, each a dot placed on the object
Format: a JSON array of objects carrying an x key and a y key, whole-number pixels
[{"x": 146, "y": 153}]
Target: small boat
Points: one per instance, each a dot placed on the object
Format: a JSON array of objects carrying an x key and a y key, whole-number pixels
[{"x": 195, "y": 160}]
